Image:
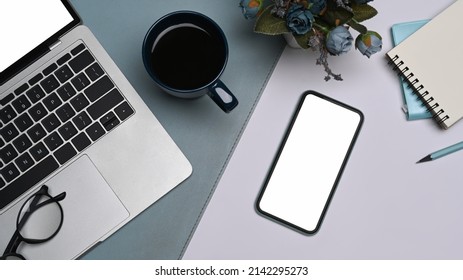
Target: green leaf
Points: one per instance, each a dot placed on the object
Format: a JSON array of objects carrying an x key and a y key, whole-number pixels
[
  {"x": 303, "y": 40},
  {"x": 269, "y": 24},
  {"x": 322, "y": 26},
  {"x": 337, "y": 16},
  {"x": 363, "y": 12},
  {"x": 357, "y": 26}
]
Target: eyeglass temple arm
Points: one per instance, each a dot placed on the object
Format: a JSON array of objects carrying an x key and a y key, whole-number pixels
[
  {"x": 13, "y": 244},
  {"x": 15, "y": 241}
]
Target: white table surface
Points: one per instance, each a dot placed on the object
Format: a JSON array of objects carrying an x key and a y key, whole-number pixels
[{"x": 386, "y": 206}]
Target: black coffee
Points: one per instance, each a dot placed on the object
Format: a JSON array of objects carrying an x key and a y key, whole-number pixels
[{"x": 188, "y": 58}]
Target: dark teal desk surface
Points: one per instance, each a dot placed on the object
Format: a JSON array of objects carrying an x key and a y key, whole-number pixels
[{"x": 205, "y": 134}]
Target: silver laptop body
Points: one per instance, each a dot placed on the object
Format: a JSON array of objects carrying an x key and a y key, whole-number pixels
[{"x": 131, "y": 163}]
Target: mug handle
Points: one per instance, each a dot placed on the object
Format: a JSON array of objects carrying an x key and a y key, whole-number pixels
[{"x": 222, "y": 96}]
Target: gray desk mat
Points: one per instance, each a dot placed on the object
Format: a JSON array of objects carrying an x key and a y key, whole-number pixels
[{"x": 203, "y": 132}]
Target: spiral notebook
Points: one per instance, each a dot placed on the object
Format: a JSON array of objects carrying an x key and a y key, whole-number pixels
[
  {"x": 413, "y": 106},
  {"x": 430, "y": 60}
]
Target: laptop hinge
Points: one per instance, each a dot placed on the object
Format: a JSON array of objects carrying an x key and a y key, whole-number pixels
[{"x": 57, "y": 43}]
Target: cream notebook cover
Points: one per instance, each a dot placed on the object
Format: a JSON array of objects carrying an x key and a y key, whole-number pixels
[{"x": 431, "y": 60}]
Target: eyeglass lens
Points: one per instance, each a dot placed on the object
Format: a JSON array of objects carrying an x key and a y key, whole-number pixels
[{"x": 40, "y": 218}]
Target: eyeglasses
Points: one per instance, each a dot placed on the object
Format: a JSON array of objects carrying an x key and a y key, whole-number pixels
[{"x": 39, "y": 220}]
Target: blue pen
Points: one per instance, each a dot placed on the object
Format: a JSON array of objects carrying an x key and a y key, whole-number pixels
[{"x": 442, "y": 152}]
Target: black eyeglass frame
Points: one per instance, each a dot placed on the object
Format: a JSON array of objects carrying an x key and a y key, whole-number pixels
[{"x": 21, "y": 220}]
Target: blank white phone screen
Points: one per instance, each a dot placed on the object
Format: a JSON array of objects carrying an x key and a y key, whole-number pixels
[{"x": 308, "y": 166}]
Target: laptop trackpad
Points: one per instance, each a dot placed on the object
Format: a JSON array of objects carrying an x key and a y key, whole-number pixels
[{"x": 91, "y": 210}]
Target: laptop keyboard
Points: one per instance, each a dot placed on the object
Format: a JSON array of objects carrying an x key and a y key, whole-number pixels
[{"x": 53, "y": 117}]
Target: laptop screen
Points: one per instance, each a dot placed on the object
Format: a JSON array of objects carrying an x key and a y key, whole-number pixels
[{"x": 28, "y": 28}]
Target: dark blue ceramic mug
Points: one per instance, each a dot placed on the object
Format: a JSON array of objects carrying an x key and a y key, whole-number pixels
[{"x": 185, "y": 53}]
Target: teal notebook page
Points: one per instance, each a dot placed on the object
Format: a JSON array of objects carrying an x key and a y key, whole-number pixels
[{"x": 413, "y": 107}]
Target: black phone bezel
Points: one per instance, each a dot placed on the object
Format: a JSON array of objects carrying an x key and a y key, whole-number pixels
[{"x": 280, "y": 149}]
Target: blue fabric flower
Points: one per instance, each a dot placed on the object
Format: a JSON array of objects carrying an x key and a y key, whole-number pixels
[
  {"x": 339, "y": 40},
  {"x": 369, "y": 43},
  {"x": 299, "y": 20},
  {"x": 317, "y": 6},
  {"x": 251, "y": 8}
]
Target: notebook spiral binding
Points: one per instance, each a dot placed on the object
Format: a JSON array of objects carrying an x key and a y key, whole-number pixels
[{"x": 438, "y": 114}]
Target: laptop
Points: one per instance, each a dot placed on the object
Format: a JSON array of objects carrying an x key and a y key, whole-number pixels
[{"x": 70, "y": 120}]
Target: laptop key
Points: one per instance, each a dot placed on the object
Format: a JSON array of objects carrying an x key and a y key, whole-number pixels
[
  {"x": 82, "y": 120},
  {"x": 81, "y": 141},
  {"x": 123, "y": 111},
  {"x": 39, "y": 151},
  {"x": 65, "y": 112},
  {"x": 27, "y": 180},
  {"x": 35, "y": 94},
  {"x": 64, "y": 73},
  {"x": 47, "y": 71},
  {"x": 80, "y": 82},
  {"x": 95, "y": 131},
  {"x": 7, "y": 99},
  {"x": 36, "y": 133},
  {"x": 109, "y": 121},
  {"x": 67, "y": 131},
  {"x": 51, "y": 122},
  {"x": 50, "y": 84},
  {"x": 99, "y": 88},
  {"x": 8, "y": 153},
  {"x": 63, "y": 59},
  {"x": 21, "y": 89},
  {"x": 35, "y": 79},
  {"x": 65, "y": 153},
  {"x": 22, "y": 143},
  {"x": 66, "y": 91},
  {"x": 53, "y": 141},
  {"x": 78, "y": 49},
  {"x": 81, "y": 61},
  {"x": 79, "y": 102},
  {"x": 9, "y": 132},
  {"x": 94, "y": 72},
  {"x": 104, "y": 104},
  {"x": 21, "y": 104},
  {"x": 52, "y": 102},
  {"x": 7, "y": 114},
  {"x": 38, "y": 112},
  {"x": 10, "y": 172},
  {"x": 23, "y": 122},
  {"x": 24, "y": 162}
]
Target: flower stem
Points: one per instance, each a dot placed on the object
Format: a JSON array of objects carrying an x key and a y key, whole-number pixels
[{"x": 321, "y": 27}]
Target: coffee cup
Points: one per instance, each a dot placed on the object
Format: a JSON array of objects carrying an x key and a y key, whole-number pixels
[{"x": 185, "y": 53}]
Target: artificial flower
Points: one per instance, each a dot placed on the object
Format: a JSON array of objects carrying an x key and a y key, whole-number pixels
[
  {"x": 339, "y": 40},
  {"x": 321, "y": 25},
  {"x": 251, "y": 8},
  {"x": 299, "y": 20},
  {"x": 369, "y": 43},
  {"x": 317, "y": 7}
]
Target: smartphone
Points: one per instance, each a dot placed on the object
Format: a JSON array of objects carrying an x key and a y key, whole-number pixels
[{"x": 309, "y": 162}]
